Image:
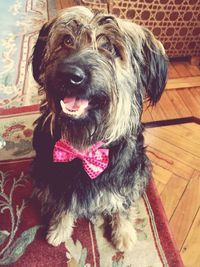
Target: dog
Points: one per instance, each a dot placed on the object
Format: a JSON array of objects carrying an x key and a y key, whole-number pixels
[{"x": 95, "y": 71}]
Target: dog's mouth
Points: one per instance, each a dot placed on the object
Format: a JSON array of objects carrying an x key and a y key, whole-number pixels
[{"x": 74, "y": 107}]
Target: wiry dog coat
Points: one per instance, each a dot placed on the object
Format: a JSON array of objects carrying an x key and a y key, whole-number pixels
[{"x": 95, "y": 71}]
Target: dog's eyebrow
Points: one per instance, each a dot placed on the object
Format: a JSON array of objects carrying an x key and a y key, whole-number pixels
[
  {"x": 72, "y": 23},
  {"x": 107, "y": 19}
]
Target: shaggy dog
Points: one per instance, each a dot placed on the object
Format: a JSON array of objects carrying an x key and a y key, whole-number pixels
[{"x": 95, "y": 71}]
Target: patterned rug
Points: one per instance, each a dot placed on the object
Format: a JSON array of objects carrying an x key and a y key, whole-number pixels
[
  {"x": 20, "y": 23},
  {"x": 22, "y": 237}
]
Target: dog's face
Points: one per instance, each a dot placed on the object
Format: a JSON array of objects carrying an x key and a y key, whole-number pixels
[{"x": 96, "y": 70}]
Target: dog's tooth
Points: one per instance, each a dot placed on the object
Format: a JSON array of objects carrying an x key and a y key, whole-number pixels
[
  {"x": 68, "y": 112},
  {"x": 62, "y": 105}
]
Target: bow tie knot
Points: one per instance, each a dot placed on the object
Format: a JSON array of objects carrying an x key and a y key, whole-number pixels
[{"x": 95, "y": 159}]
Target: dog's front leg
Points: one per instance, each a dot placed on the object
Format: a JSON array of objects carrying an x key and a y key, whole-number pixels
[
  {"x": 123, "y": 234},
  {"x": 60, "y": 228}
]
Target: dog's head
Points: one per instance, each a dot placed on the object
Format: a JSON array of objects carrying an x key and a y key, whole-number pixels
[{"x": 96, "y": 70}]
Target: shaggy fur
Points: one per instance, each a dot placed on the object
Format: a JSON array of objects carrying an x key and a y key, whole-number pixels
[{"x": 112, "y": 64}]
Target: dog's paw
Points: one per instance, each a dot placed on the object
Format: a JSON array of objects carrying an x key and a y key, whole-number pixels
[
  {"x": 124, "y": 238},
  {"x": 61, "y": 231},
  {"x": 56, "y": 237}
]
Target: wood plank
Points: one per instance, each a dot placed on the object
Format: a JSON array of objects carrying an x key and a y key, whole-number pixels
[
  {"x": 181, "y": 69},
  {"x": 185, "y": 82},
  {"x": 168, "y": 107},
  {"x": 196, "y": 93},
  {"x": 179, "y": 103},
  {"x": 146, "y": 115},
  {"x": 195, "y": 60},
  {"x": 172, "y": 73},
  {"x": 171, "y": 194},
  {"x": 190, "y": 101},
  {"x": 177, "y": 154},
  {"x": 176, "y": 139},
  {"x": 190, "y": 252},
  {"x": 188, "y": 206},
  {"x": 159, "y": 186},
  {"x": 194, "y": 127},
  {"x": 163, "y": 160},
  {"x": 161, "y": 174},
  {"x": 189, "y": 131},
  {"x": 194, "y": 70},
  {"x": 157, "y": 112}
]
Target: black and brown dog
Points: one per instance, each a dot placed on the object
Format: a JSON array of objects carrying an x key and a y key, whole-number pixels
[{"x": 95, "y": 70}]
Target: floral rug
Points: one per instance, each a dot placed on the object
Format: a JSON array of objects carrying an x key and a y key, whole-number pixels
[{"x": 20, "y": 23}]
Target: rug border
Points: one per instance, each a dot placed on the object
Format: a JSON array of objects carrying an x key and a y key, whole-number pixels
[
  {"x": 166, "y": 238},
  {"x": 19, "y": 110}
]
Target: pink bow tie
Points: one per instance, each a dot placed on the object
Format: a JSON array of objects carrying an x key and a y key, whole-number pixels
[{"x": 95, "y": 159}]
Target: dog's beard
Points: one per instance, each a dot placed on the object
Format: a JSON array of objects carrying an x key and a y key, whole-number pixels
[
  {"x": 83, "y": 112},
  {"x": 85, "y": 131},
  {"x": 88, "y": 128}
]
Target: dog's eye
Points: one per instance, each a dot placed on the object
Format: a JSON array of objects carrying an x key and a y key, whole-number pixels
[
  {"x": 68, "y": 41},
  {"x": 106, "y": 45},
  {"x": 111, "y": 48}
]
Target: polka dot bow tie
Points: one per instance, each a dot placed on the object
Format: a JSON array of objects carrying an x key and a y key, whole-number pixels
[{"x": 95, "y": 159}]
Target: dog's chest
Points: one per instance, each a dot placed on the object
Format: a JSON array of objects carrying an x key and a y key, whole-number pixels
[{"x": 105, "y": 202}]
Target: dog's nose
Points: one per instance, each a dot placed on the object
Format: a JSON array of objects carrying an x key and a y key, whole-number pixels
[
  {"x": 72, "y": 75},
  {"x": 75, "y": 76}
]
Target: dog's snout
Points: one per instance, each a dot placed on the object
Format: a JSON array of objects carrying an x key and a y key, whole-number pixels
[{"x": 72, "y": 75}]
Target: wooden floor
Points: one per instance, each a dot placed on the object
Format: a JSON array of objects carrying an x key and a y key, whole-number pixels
[
  {"x": 180, "y": 103},
  {"x": 175, "y": 153}
]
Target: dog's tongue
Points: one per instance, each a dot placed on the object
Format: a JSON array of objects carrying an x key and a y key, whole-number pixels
[{"x": 73, "y": 103}]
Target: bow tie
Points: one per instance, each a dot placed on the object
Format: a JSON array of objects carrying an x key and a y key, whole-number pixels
[{"x": 95, "y": 159}]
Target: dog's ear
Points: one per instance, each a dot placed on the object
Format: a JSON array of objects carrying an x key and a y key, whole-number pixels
[
  {"x": 154, "y": 67},
  {"x": 150, "y": 56},
  {"x": 39, "y": 50}
]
